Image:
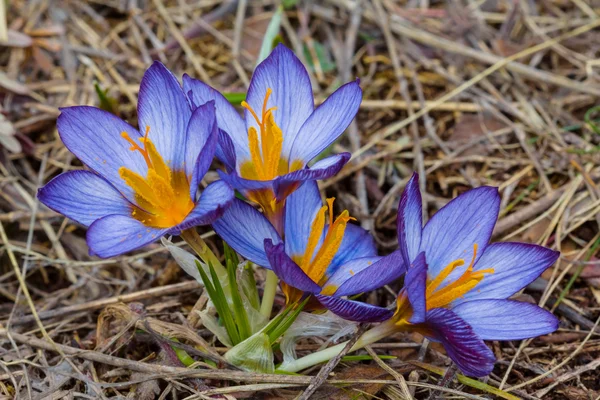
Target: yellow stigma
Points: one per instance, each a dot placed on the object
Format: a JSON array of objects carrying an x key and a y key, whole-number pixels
[
  {"x": 266, "y": 161},
  {"x": 163, "y": 196},
  {"x": 437, "y": 297},
  {"x": 315, "y": 267}
]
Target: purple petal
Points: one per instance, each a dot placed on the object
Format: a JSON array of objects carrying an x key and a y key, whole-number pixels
[
  {"x": 226, "y": 151},
  {"x": 370, "y": 277},
  {"x": 355, "y": 310},
  {"x": 322, "y": 169},
  {"x": 83, "y": 196},
  {"x": 346, "y": 273},
  {"x": 245, "y": 230},
  {"x": 212, "y": 204},
  {"x": 94, "y": 136},
  {"x": 300, "y": 210},
  {"x": 287, "y": 270},
  {"x": 327, "y": 123},
  {"x": 356, "y": 243},
  {"x": 292, "y": 94},
  {"x": 462, "y": 344},
  {"x": 164, "y": 108},
  {"x": 515, "y": 266},
  {"x": 228, "y": 119},
  {"x": 452, "y": 232},
  {"x": 244, "y": 185},
  {"x": 202, "y": 137},
  {"x": 415, "y": 284},
  {"x": 410, "y": 219},
  {"x": 506, "y": 319},
  {"x": 117, "y": 234}
]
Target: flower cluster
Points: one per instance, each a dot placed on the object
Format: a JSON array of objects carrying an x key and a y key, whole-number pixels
[{"x": 144, "y": 183}]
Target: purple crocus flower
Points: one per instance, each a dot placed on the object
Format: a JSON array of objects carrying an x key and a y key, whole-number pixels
[
  {"x": 457, "y": 284},
  {"x": 327, "y": 259},
  {"x": 266, "y": 153},
  {"x": 142, "y": 185}
]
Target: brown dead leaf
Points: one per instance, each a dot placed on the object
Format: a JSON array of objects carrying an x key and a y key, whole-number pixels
[
  {"x": 12, "y": 85},
  {"x": 254, "y": 31},
  {"x": 7, "y": 136},
  {"x": 470, "y": 127},
  {"x": 16, "y": 39}
]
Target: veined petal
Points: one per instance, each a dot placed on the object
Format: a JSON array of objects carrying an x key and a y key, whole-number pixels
[
  {"x": 226, "y": 151},
  {"x": 506, "y": 319},
  {"x": 356, "y": 243},
  {"x": 117, "y": 234},
  {"x": 320, "y": 170},
  {"x": 410, "y": 220},
  {"x": 300, "y": 211},
  {"x": 454, "y": 230},
  {"x": 94, "y": 136},
  {"x": 245, "y": 230},
  {"x": 327, "y": 122},
  {"x": 202, "y": 139},
  {"x": 515, "y": 266},
  {"x": 284, "y": 74},
  {"x": 212, "y": 204},
  {"x": 462, "y": 344},
  {"x": 244, "y": 185},
  {"x": 415, "y": 285},
  {"x": 379, "y": 271},
  {"x": 83, "y": 196},
  {"x": 287, "y": 270},
  {"x": 342, "y": 282},
  {"x": 164, "y": 108},
  {"x": 355, "y": 310},
  {"x": 228, "y": 119}
]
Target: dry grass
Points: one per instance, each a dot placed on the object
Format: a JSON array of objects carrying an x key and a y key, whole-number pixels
[{"x": 467, "y": 93}]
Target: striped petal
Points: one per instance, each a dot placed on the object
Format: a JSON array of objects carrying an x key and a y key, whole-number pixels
[
  {"x": 202, "y": 139},
  {"x": 164, "y": 108},
  {"x": 506, "y": 319},
  {"x": 83, "y": 196},
  {"x": 410, "y": 220},
  {"x": 287, "y": 270},
  {"x": 355, "y": 310}
]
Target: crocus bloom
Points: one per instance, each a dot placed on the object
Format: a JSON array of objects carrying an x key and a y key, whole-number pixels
[
  {"x": 266, "y": 153},
  {"x": 327, "y": 259},
  {"x": 457, "y": 284},
  {"x": 142, "y": 185}
]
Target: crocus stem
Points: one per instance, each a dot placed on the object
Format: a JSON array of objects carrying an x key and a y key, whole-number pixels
[
  {"x": 202, "y": 250},
  {"x": 266, "y": 307},
  {"x": 371, "y": 336}
]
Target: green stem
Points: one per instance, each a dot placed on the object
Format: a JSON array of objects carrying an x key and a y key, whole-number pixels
[
  {"x": 371, "y": 336},
  {"x": 203, "y": 251},
  {"x": 266, "y": 307}
]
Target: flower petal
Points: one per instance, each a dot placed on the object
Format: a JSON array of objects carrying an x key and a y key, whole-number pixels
[
  {"x": 346, "y": 272},
  {"x": 213, "y": 202},
  {"x": 462, "y": 344},
  {"x": 415, "y": 284},
  {"x": 453, "y": 231},
  {"x": 226, "y": 151},
  {"x": 327, "y": 122},
  {"x": 356, "y": 243},
  {"x": 506, "y": 319},
  {"x": 94, "y": 136},
  {"x": 117, "y": 234},
  {"x": 300, "y": 210},
  {"x": 228, "y": 119},
  {"x": 371, "y": 276},
  {"x": 244, "y": 185},
  {"x": 322, "y": 169},
  {"x": 202, "y": 139},
  {"x": 83, "y": 196},
  {"x": 355, "y": 310},
  {"x": 410, "y": 220},
  {"x": 287, "y": 270},
  {"x": 515, "y": 266},
  {"x": 163, "y": 107},
  {"x": 245, "y": 230},
  {"x": 292, "y": 94}
]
